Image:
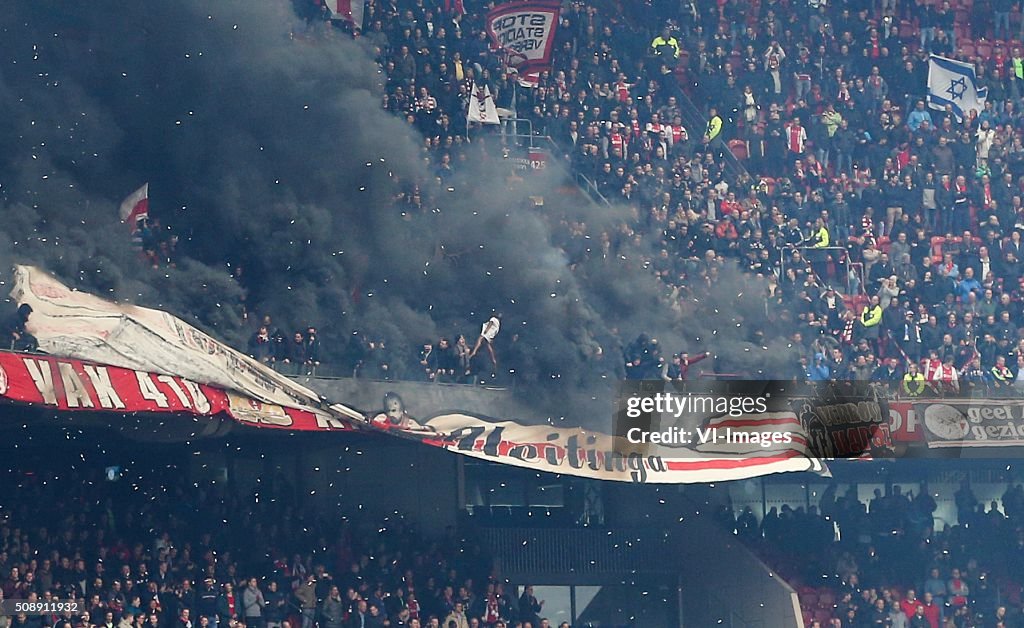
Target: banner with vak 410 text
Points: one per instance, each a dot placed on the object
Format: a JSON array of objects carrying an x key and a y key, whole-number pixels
[
  {"x": 73, "y": 324},
  {"x": 44, "y": 381}
]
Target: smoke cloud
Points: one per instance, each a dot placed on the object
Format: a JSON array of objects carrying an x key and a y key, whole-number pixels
[{"x": 272, "y": 154}]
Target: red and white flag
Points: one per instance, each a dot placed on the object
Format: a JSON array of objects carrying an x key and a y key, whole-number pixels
[
  {"x": 349, "y": 10},
  {"x": 525, "y": 32},
  {"x": 136, "y": 206},
  {"x": 454, "y": 6},
  {"x": 481, "y": 106},
  {"x": 529, "y": 80}
]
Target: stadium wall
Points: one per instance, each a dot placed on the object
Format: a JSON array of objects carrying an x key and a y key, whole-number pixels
[{"x": 423, "y": 398}]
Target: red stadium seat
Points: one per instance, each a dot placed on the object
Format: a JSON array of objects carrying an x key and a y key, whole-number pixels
[
  {"x": 1012, "y": 591},
  {"x": 967, "y": 50},
  {"x": 823, "y": 615},
  {"x": 738, "y": 148},
  {"x": 907, "y": 30},
  {"x": 984, "y": 49},
  {"x": 937, "y": 242},
  {"x": 826, "y": 599}
]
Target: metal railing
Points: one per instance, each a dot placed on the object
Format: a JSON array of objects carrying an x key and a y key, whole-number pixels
[
  {"x": 696, "y": 120},
  {"x": 520, "y": 133},
  {"x": 841, "y": 258}
]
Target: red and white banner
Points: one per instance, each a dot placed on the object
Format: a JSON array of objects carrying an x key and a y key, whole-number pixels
[
  {"x": 529, "y": 80},
  {"x": 454, "y": 7},
  {"x": 525, "y": 33},
  {"x": 108, "y": 357},
  {"x": 134, "y": 207},
  {"x": 904, "y": 424},
  {"x": 348, "y": 10},
  {"x": 73, "y": 324},
  {"x": 76, "y": 386},
  {"x": 585, "y": 453}
]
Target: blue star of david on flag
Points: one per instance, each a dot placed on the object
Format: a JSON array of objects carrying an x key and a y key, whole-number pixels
[
  {"x": 952, "y": 85},
  {"x": 956, "y": 88}
]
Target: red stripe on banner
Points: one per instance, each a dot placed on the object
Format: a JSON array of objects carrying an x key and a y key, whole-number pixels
[
  {"x": 75, "y": 386},
  {"x": 754, "y": 422},
  {"x": 689, "y": 465}
]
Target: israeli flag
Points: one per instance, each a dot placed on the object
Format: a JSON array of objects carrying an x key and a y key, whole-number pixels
[{"x": 953, "y": 83}]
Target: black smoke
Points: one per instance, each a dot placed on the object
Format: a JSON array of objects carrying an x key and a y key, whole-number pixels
[{"x": 267, "y": 150}]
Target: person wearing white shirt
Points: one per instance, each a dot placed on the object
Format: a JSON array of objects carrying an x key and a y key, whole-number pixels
[{"x": 488, "y": 332}]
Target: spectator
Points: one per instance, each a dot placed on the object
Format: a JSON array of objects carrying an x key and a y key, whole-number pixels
[
  {"x": 253, "y": 601},
  {"x": 305, "y": 593},
  {"x": 294, "y": 356},
  {"x": 488, "y": 332},
  {"x": 276, "y": 608},
  {"x": 15, "y": 333},
  {"x": 311, "y": 351},
  {"x": 332, "y": 611},
  {"x": 261, "y": 347},
  {"x": 457, "y": 618}
]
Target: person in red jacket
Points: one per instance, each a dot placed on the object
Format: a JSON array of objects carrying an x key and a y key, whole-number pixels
[
  {"x": 681, "y": 363},
  {"x": 932, "y": 612},
  {"x": 958, "y": 590},
  {"x": 910, "y": 603}
]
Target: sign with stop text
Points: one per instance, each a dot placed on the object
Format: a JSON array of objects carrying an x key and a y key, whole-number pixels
[{"x": 525, "y": 32}]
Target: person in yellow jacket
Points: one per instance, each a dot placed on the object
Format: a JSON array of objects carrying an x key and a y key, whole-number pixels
[
  {"x": 913, "y": 382},
  {"x": 1002, "y": 375},
  {"x": 666, "y": 46},
  {"x": 820, "y": 239},
  {"x": 870, "y": 322},
  {"x": 714, "y": 128}
]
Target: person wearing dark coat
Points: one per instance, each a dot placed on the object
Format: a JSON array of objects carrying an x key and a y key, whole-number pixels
[
  {"x": 312, "y": 350},
  {"x": 15, "y": 334},
  {"x": 529, "y": 607}
]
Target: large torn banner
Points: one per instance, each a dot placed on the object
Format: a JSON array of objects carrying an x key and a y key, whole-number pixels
[
  {"x": 74, "y": 386},
  {"x": 162, "y": 354},
  {"x": 73, "y": 324}
]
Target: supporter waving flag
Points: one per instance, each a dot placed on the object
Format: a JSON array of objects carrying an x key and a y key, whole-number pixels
[
  {"x": 349, "y": 10},
  {"x": 952, "y": 83},
  {"x": 135, "y": 207},
  {"x": 481, "y": 106}
]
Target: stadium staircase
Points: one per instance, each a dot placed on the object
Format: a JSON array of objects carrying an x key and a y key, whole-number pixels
[{"x": 683, "y": 572}]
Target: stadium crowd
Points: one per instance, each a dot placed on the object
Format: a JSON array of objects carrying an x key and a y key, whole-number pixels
[
  {"x": 883, "y": 233},
  {"x": 138, "y": 555},
  {"x": 177, "y": 556},
  {"x": 882, "y": 562},
  {"x": 885, "y": 236}
]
